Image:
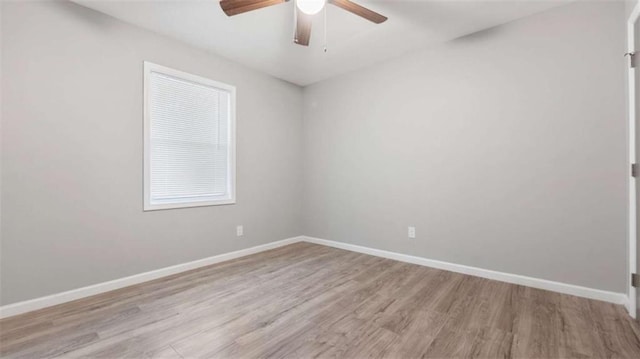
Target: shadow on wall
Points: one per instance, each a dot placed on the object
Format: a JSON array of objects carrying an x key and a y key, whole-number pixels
[
  {"x": 87, "y": 15},
  {"x": 480, "y": 36}
]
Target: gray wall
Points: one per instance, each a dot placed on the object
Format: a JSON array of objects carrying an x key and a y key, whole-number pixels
[
  {"x": 72, "y": 154},
  {"x": 506, "y": 149}
]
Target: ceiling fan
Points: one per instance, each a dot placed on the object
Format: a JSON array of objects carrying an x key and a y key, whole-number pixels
[{"x": 305, "y": 9}]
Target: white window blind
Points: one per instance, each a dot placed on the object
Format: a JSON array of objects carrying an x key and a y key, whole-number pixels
[{"x": 189, "y": 129}]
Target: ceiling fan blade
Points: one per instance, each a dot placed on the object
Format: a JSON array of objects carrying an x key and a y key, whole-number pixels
[
  {"x": 235, "y": 7},
  {"x": 303, "y": 28},
  {"x": 359, "y": 10}
]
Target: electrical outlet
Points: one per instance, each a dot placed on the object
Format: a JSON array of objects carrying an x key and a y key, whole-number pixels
[
  {"x": 412, "y": 232},
  {"x": 239, "y": 231}
]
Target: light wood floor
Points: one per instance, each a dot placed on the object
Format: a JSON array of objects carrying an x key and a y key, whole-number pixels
[{"x": 307, "y": 300}]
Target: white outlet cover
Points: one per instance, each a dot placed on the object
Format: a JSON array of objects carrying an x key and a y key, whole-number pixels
[
  {"x": 412, "y": 232},
  {"x": 239, "y": 231}
]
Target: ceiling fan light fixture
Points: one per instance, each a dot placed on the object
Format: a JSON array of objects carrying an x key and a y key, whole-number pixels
[{"x": 310, "y": 7}]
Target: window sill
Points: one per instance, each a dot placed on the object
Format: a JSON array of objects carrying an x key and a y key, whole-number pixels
[{"x": 163, "y": 206}]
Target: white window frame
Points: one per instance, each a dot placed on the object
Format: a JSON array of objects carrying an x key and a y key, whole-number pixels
[{"x": 231, "y": 199}]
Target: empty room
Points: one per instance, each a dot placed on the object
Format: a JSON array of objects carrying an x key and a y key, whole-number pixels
[{"x": 319, "y": 178}]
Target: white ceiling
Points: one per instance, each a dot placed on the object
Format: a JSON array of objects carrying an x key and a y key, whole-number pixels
[{"x": 262, "y": 39}]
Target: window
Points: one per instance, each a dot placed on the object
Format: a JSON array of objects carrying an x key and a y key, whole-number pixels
[{"x": 189, "y": 140}]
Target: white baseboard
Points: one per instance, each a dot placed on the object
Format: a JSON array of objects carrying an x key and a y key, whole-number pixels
[
  {"x": 54, "y": 299},
  {"x": 612, "y": 297},
  {"x": 59, "y": 298}
]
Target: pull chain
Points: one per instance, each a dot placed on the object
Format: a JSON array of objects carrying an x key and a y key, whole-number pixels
[
  {"x": 325, "y": 28},
  {"x": 295, "y": 22}
]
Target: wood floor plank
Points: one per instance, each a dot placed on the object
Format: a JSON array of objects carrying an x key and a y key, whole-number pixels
[
  {"x": 452, "y": 343},
  {"x": 416, "y": 339},
  {"x": 539, "y": 327},
  {"x": 306, "y": 300},
  {"x": 492, "y": 343}
]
